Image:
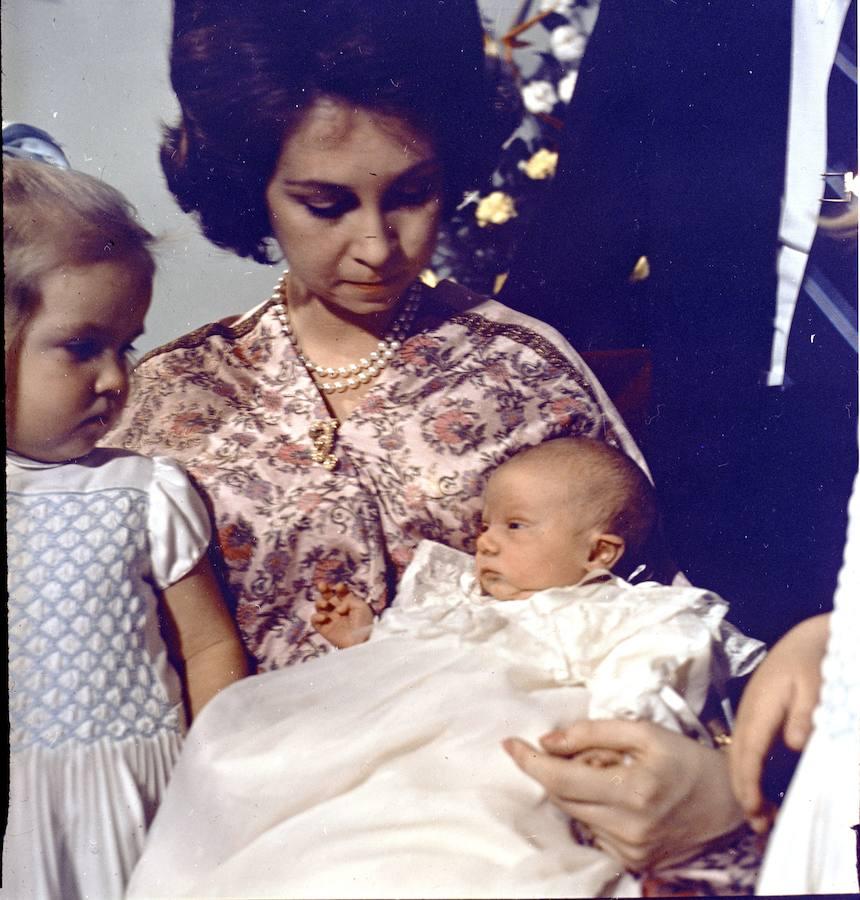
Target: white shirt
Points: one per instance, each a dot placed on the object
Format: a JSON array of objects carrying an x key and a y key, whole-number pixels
[{"x": 816, "y": 28}]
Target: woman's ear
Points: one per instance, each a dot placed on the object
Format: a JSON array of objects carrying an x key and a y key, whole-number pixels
[{"x": 606, "y": 550}]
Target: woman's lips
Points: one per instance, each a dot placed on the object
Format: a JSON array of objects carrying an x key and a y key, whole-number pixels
[{"x": 376, "y": 284}]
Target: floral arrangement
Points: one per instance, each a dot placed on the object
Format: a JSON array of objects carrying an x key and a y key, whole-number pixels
[{"x": 540, "y": 53}]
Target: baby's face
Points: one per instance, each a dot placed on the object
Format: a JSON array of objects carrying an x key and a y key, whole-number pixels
[{"x": 533, "y": 537}]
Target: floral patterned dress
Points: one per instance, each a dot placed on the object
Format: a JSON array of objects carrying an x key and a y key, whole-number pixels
[{"x": 471, "y": 385}]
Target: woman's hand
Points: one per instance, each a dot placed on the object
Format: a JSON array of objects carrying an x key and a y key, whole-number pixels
[
  {"x": 780, "y": 696},
  {"x": 665, "y": 799}
]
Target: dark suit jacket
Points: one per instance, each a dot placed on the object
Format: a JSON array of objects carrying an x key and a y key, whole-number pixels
[{"x": 674, "y": 148}]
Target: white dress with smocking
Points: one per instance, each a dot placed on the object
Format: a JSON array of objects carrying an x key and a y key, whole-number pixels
[{"x": 95, "y": 706}]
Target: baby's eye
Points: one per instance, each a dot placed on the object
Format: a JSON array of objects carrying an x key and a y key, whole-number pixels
[{"x": 514, "y": 526}]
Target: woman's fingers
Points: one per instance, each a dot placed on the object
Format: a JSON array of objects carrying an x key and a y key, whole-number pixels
[
  {"x": 798, "y": 724},
  {"x": 573, "y": 784},
  {"x": 608, "y": 734},
  {"x": 760, "y": 716}
]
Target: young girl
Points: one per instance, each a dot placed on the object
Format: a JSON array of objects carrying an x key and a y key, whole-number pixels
[{"x": 106, "y": 549}]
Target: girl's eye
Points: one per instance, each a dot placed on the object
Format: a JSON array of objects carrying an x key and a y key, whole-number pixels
[{"x": 83, "y": 349}]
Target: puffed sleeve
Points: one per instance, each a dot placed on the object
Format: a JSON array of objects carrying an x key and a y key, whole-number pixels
[{"x": 179, "y": 529}]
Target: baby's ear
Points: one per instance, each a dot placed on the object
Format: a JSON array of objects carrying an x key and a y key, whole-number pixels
[{"x": 606, "y": 550}]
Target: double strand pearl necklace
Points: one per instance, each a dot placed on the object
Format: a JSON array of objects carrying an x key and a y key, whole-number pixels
[{"x": 357, "y": 373}]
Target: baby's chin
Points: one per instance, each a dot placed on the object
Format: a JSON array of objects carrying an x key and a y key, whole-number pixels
[{"x": 499, "y": 589}]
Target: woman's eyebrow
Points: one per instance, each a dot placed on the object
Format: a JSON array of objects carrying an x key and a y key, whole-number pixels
[
  {"x": 423, "y": 167},
  {"x": 314, "y": 185}
]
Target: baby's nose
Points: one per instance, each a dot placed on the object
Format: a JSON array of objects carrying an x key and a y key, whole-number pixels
[{"x": 485, "y": 543}]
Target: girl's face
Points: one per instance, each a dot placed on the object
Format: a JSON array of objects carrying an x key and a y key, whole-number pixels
[
  {"x": 70, "y": 379},
  {"x": 355, "y": 203}
]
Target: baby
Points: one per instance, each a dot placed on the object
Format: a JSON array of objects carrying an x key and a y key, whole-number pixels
[
  {"x": 115, "y": 615},
  {"x": 381, "y": 771},
  {"x": 552, "y": 515}
]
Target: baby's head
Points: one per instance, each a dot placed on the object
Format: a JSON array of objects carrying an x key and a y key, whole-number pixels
[
  {"x": 557, "y": 511},
  {"x": 78, "y": 282}
]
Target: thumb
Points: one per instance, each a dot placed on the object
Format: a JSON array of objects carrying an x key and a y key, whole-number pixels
[
  {"x": 607, "y": 734},
  {"x": 520, "y": 751}
]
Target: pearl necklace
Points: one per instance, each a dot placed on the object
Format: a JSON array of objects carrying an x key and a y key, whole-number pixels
[{"x": 357, "y": 373}]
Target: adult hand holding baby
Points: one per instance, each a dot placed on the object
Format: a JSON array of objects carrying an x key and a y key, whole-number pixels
[{"x": 666, "y": 798}]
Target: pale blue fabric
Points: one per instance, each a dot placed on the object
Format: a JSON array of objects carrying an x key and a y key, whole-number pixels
[{"x": 77, "y": 615}]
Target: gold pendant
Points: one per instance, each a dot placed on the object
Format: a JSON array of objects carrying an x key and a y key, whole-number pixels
[{"x": 322, "y": 435}]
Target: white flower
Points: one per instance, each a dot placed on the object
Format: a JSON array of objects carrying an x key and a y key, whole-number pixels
[
  {"x": 495, "y": 209},
  {"x": 566, "y": 86},
  {"x": 562, "y": 7},
  {"x": 539, "y": 97},
  {"x": 567, "y": 43},
  {"x": 541, "y": 165}
]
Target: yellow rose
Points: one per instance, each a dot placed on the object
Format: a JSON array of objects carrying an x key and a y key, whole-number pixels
[
  {"x": 541, "y": 165},
  {"x": 495, "y": 209}
]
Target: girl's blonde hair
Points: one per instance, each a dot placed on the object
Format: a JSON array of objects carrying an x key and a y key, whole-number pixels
[{"x": 53, "y": 218}]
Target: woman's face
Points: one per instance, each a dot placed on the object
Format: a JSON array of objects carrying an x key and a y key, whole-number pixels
[{"x": 354, "y": 202}]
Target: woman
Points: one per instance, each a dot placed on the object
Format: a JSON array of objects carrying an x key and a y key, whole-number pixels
[
  {"x": 342, "y": 155},
  {"x": 340, "y": 133}
]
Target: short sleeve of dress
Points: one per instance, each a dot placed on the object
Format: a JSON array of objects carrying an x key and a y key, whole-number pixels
[{"x": 179, "y": 530}]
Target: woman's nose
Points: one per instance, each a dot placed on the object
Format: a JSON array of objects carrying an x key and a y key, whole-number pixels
[{"x": 375, "y": 240}]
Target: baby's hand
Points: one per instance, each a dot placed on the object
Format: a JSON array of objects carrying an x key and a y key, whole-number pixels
[{"x": 341, "y": 618}]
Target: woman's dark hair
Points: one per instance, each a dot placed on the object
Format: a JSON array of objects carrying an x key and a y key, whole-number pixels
[{"x": 245, "y": 72}]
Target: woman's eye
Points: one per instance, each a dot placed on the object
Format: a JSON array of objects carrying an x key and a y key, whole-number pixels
[
  {"x": 327, "y": 209},
  {"x": 129, "y": 352},
  {"x": 414, "y": 196}
]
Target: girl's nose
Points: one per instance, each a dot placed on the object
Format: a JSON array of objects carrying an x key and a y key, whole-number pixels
[{"x": 112, "y": 376}]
